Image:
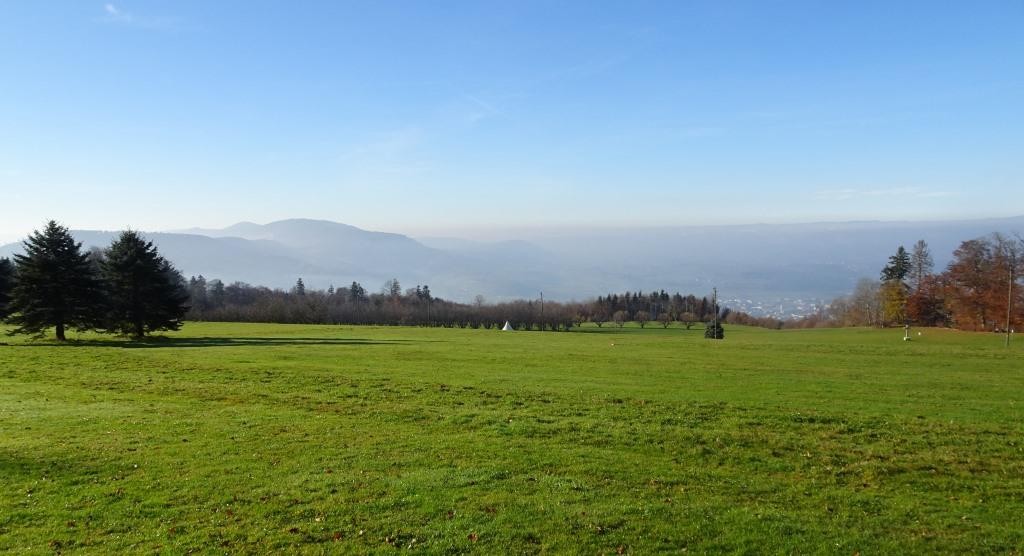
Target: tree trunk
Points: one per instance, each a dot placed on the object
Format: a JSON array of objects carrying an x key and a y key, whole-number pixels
[
  {"x": 140, "y": 331},
  {"x": 60, "y": 332}
]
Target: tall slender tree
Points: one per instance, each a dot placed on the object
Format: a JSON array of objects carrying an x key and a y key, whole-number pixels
[
  {"x": 215, "y": 292},
  {"x": 392, "y": 288},
  {"x": 356, "y": 293},
  {"x": 921, "y": 264},
  {"x": 56, "y": 285},
  {"x": 145, "y": 293},
  {"x": 6, "y": 284},
  {"x": 198, "y": 295}
]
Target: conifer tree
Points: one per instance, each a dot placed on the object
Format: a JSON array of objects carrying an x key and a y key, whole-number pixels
[
  {"x": 145, "y": 293},
  {"x": 6, "y": 283},
  {"x": 714, "y": 331},
  {"x": 894, "y": 288},
  {"x": 898, "y": 268},
  {"x": 197, "y": 293},
  {"x": 299, "y": 288},
  {"x": 56, "y": 285},
  {"x": 356, "y": 293},
  {"x": 215, "y": 293}
]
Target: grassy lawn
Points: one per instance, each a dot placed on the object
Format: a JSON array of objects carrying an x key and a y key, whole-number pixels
[{"x": 254, "y": 438}]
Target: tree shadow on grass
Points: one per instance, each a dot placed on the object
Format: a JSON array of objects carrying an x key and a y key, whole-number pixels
[
  {"x": 16, "y": 466},
  {"x": 194, "y": 342},
  {"x": 638, "y": 330}
]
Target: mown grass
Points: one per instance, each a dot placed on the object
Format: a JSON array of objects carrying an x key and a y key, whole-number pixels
[{"x": 257, "y": 438}]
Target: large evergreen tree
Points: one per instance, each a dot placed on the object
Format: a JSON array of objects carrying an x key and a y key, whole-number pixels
[
  {"x": 145, "y": 292},
  {"x": 898, "y": 268},
  {"x": 56, "y": 286},
  {"x": 6, "y": 283}
]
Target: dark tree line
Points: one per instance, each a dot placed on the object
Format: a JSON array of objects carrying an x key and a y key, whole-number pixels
[
  {"x": 212, "y": 300},
  {"x": 126, "y": 289},
  {"x": 659, "y": 307}
]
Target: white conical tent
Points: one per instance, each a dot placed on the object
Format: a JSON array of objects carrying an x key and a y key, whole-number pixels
[{"x": 507, "y": 327}]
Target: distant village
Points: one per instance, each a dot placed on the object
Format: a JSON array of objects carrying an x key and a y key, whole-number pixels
[{"x": 786, "y": 308}]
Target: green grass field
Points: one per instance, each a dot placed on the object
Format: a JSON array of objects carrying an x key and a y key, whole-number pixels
[{"x": 253, "y": 438}]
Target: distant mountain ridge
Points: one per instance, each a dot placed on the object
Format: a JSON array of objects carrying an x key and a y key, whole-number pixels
[{"x": 757, "y": 263}]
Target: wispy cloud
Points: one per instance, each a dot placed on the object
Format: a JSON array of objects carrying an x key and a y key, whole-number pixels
[
  {"x": 387, "y": 153},
  {"x": 474, "y": 108},
  {"x": 486, "y": 106},
  {"x": 855, "y": 193},
  {"x": 387, "y": 145},
  {"x": 116, "y": 15},
  {"x": 593, "y": 67}
]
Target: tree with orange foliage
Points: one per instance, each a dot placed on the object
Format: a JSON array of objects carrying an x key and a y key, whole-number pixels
[
  {"x": 926, "y": 305},
  {"x": 978, "y": 288}
]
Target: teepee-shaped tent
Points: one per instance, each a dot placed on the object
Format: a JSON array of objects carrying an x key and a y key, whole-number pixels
[{"x": 507, "y": 327}]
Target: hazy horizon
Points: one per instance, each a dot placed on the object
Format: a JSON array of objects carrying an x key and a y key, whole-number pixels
[
  {"x": 503, "y": 233},
  {"x": 777, "y": 269}
]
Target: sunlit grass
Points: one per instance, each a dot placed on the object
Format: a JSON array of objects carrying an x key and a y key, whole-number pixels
[{"x": 247, "y": 437}]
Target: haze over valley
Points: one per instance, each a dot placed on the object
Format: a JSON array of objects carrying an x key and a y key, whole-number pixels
[{"x": 781, "y": 270}]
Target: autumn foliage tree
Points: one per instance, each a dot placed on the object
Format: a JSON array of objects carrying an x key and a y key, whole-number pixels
[
  {"x": 926, "y": 305},
  {"x": 978, "y": 287},
  {"x": 969, "y": 284}
]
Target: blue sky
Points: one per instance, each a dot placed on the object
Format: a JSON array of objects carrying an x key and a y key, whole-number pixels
[{"x": 449, "y": 117}]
